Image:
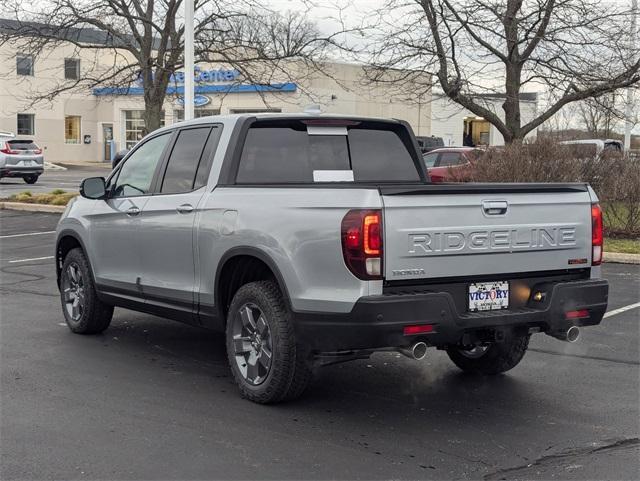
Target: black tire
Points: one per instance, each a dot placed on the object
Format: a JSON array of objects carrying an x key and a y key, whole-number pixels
[
  {"x": 498, "y": 357},
  {"x": 93, "y": 315},
  {"x": 289, "y": 373},
  {"x": 31, "y": 179}
]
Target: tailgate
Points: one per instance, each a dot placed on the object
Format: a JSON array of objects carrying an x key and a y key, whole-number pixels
[{"x": 441, "y": 231}]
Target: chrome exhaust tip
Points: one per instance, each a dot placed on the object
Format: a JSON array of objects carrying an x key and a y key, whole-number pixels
[
  {"x": 417, "y": 351},
  {"x": 570, "y": 335}
]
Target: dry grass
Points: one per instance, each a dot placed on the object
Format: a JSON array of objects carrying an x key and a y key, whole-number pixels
[{"x": 55, "y": 197}]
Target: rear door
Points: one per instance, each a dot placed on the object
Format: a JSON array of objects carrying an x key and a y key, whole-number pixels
[
  {"x": 167, "y": 221},
  {"x": 466, "y": 230},
  {"x": 24, "y": 153}
]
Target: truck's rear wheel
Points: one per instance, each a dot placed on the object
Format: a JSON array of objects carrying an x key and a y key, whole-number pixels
[
  {"x": 493, "y": 358},
  {"x": 267, "y": 363},
  {"x": 83, "y": 311},
  {"x": 31, "y": 179}
]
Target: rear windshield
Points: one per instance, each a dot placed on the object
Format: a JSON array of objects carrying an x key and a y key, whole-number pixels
[
  {"x": 22, "y": 144},
  {"x": 286, "y": 153}
]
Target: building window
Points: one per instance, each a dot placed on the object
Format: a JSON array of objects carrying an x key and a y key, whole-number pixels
[
  {"x": 26, "y": 124},
  {"x": 178, "y": 115},
  {"x": 24, "y": 65},
  {"x": 72, "y": 129},
  {"x": 72, "y": 68},
  {"x": 134, "y": 129},
  {"x": 254, "y": 111}
]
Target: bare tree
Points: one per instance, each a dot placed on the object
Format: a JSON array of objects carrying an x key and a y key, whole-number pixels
[
  {"x": 571, "y": 49},
  {"x": 600, "y": 115},
  {"x": 143, "y": 40}
]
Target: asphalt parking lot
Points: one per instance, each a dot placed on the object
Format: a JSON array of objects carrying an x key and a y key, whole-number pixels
[
  {"x": 154, "y": 399},
  {"x": 68, "y": 179}
]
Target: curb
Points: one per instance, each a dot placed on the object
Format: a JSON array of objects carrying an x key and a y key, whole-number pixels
[
  {"x": 50, "y": 166},
  {"x": 23, "y": 206},
  {"x": 621, "y": 258}
]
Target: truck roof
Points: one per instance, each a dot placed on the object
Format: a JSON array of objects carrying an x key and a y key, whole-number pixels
[{"x": 233, "y": 118}]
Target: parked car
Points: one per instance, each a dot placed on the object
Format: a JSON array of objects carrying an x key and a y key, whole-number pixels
[
  {"x": 595, "y": 147},
  {"x": 313, "y": 239},
  {"x": 450, "y": 163},
  {"x": 429, "y": 143},
  {"x": 20, "y": 158}
]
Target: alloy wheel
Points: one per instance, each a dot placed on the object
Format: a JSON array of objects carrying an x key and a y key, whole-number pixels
[
  {"x": 73, "y": 289},
  {"x": 252, "y": 345}
]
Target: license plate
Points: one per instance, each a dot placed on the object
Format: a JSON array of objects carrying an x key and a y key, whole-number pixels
[{"x": 488, "y": 296}]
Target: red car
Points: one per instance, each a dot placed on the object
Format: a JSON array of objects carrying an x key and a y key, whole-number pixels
[{"x": 450, "y": 164}]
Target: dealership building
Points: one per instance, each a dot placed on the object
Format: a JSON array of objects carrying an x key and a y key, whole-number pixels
[{"x": 92, "y": 124}]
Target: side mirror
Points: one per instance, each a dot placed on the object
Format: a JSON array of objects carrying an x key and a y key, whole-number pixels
[
  {"x": 118, "y": 157},
  {"x": 93, "y": 188}
]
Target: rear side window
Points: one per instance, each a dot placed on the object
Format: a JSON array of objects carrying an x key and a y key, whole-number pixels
[
  {"x": 288, "y": 154},
  {"x": 448, "y": 159},
  {"x": 185, "y": 157}
]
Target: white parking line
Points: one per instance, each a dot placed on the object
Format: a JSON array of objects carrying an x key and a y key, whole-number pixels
[
  {"x": 622, "y": 309},
  {"x": 32, "y": 259},
  {"x": 27, "y": 234}
]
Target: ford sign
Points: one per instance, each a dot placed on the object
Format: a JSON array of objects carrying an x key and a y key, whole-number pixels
[{"x": 198, "y": 100}]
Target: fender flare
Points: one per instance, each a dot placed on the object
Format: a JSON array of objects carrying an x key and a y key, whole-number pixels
[
  {"x": 70, "y": 233},
  {"x": 258, "y": 254}
]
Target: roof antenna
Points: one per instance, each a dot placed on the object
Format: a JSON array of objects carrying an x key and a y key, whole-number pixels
[{"x": 313, "y": 109}]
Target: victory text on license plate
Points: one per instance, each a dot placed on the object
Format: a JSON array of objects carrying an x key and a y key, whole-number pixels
[{"x": 487, "y": 296}]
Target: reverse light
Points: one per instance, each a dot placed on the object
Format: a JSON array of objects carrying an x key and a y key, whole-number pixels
[
  {"x": 597, "y": 235},
  {"x": 362, "y": 243}
]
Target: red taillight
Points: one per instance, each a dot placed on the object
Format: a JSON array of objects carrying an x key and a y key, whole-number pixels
[
  {"x": 418, "y": 329},
  {"x": 362, "y": 243},
  {"x": 37, "y": 151},
  {"x": 8, "y": 150},
  {"x": 597, "y": 235},
  {"x": 576, "y": 314}
]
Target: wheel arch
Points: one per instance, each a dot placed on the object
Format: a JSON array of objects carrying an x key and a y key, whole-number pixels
[
  {"x": 68, "y": 239},
  {"x": 244, "y": 257}
]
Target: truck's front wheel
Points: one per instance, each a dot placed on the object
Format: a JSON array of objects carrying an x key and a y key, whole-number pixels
[
  {"x": 267, "y": 363},
  {"x": 493, "y": 358}
]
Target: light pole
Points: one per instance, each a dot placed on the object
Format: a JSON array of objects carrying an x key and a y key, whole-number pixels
[
  {"x": 188, "y": 60},
  {"x": 629, "y": 110}
]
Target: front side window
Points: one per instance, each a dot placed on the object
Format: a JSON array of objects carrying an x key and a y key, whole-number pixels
[
  {"x": 72, "y": 129},
  {"x": 183, "y": 162},
  {"x": 71, "y": 68},
  {"x": 24, "y": 65},
  {"x": 137, "y": 171},
  {"x": 26, "y": 124}
]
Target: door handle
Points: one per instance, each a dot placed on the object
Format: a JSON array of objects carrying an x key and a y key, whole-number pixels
[
  {"x": 185, "y": 208},
  {"x": 494, "y": 207},
  {"x": 133, "y": 211}
]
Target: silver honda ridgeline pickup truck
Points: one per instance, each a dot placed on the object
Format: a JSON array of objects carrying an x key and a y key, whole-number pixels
[{"x": 315, "y": 239}]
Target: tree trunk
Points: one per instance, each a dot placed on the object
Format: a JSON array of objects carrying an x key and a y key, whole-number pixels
[{"x": 511, "y": 105}]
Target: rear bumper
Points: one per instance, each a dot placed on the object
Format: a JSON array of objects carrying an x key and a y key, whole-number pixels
[
  {"x": 11, "y": 171},
  {"x": 378, "y": 321}
]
